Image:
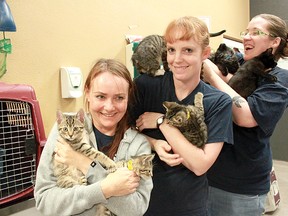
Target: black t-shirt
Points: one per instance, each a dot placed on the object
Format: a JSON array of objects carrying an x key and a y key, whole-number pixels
[
  {"x": 177, "y": 190},
  {"x": 103, "y": 141},
  {"x": 245, "y": 167}
]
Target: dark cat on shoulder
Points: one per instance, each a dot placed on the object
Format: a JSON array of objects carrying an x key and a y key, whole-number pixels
[
  {"x": 245, "y": 80},
  {"x": 189, "y": 119},
  {"x": 151, "y": 54},
  {"x": 225, "y": 59}
]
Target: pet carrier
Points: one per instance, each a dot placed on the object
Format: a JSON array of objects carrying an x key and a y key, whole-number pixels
[{"x": 22, "y": 138}]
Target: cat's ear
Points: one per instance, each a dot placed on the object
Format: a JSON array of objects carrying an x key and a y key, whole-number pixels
[
  {"x": 151, "y": 156},
  {"x": 148, "y": 157},
  {"x": 167, "y": 104},
  {"x": 81, "y": 115},
  {"x": 59, "y": 116}
]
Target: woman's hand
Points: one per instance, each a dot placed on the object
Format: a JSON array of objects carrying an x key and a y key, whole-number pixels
[
  {"x": 121, "y": 182},
  {"x": 210, "y": 70},
  {"x": 147, "y": 120},
  {"x": 67, "y": 155},
  {"x": 164, "y": 152}
]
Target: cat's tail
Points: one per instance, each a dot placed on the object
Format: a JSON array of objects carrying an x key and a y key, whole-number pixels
[{"x": 217, "y": 33}]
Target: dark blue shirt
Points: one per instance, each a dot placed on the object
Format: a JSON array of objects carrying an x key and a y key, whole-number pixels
[
  {"x": 245, "y": 167},
  {"x": 177, "y": 190},
  {"x": 103, "y": 141}
]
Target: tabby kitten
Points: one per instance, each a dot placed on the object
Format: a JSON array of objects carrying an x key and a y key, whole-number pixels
[
  {"x": 189, "y": 119},
  {"x": 151, "y": 53},
  {"x": 71, "y": 128},
  {"x": 245, "y": 80},
  {"x": 225, "y": 59}
]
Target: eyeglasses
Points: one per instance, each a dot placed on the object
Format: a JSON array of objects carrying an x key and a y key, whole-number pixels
[{"x": 254, "y": 33}]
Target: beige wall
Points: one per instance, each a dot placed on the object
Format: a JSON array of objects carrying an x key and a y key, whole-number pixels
[{"x": 55, "y": 33}]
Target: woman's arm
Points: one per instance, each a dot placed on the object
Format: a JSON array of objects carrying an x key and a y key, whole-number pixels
[
  {"x": 242, "y": 115},
  {"x": 163, "y": 150},
  {"x": 196, "y": 159},
  {"x": 148, "y": 121}
]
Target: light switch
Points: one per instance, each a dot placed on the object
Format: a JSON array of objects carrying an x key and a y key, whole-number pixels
[{"x": 71, "y": 82}]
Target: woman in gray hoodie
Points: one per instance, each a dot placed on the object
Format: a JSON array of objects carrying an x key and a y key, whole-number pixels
[{"x": 108, "y": 94}]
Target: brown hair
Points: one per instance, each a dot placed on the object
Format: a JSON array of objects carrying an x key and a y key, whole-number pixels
[
  {"x": 278, "y": 28},
  {"x": 187, "y": 27},
  {"x": 120, "y": 70}
]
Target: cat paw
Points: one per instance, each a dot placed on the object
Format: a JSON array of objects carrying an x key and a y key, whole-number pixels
[
  {"x": 83, "y": 180},
  {"x": 112, "y": 169}
]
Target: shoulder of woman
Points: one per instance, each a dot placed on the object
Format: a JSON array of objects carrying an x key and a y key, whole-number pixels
[
  {"x": 133, "y": 143},
  {"x": 212, "y": 94},
  {"x": 132, "y": 134},
  {"x": 135, "y": 138},
  {"x": 88, "y": 123},
  {"x": 148, "y": 81}
]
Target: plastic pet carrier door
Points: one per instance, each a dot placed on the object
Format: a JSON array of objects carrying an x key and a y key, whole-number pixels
[{"x": 22, "y": 138}]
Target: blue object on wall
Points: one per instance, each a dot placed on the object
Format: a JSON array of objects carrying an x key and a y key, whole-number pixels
[
  {"x": 6, "y": 19},
  {"x": 6, "y": 24}
]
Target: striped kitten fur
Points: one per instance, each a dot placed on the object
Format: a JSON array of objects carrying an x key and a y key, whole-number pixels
[
  {"x": 150, "y": 54},
  {"x": 71, "y": 128},
  {"x": 189, "y": 119}
]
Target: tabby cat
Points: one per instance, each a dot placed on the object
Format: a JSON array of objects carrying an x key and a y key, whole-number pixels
[
  {"x": 189, "y": 119},
  {"x": 225, "y": 59},
  {"x": 245, "y": 80},
  {"x": 71, "y": 128},
  {"x": 151, "y": 53}
]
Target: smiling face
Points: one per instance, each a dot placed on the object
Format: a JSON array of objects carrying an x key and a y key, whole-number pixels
[
  {"x": 185, "y": 59},
  {"x": 108, "y": 101},
  {"x": 255, "y": 44}
]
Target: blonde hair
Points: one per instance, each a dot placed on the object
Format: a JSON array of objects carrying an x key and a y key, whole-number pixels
[
  {"x": 278, "y": 28},
  {"x": 187, "y": 27},
  {"x": 118, "y": 69}
]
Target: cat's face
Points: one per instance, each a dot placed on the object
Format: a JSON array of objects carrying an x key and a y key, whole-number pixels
[
  {"x": 143, "y": 165},
  {"x": 176, "y": 114},
  {"x": 70, "y": 126},
  {"x": 225, "y": 59}
]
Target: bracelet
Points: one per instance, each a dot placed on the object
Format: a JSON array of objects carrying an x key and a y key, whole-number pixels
[{"x": 93, "y": 164}]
